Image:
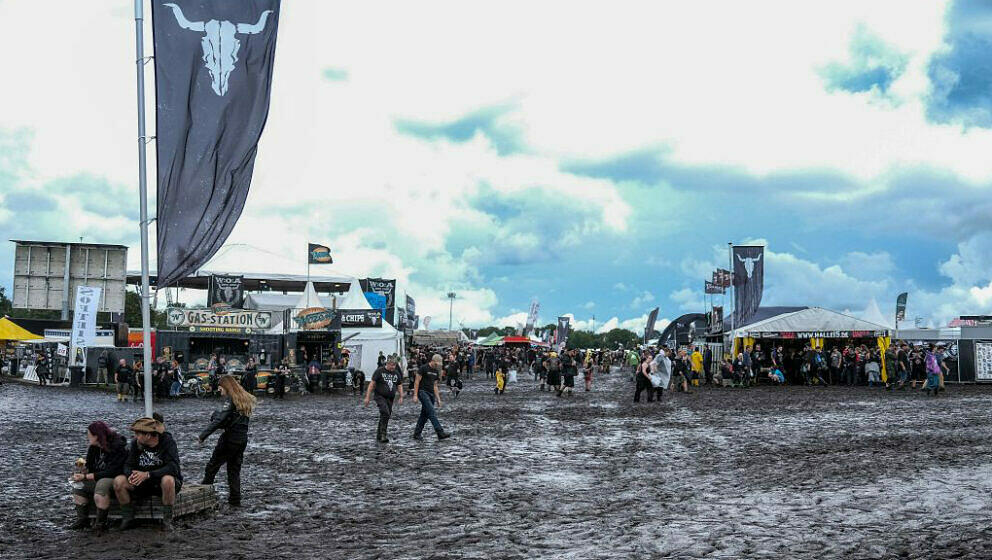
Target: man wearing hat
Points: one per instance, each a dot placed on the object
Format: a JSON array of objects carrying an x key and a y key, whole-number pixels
[{"x": 151, "y": 468}]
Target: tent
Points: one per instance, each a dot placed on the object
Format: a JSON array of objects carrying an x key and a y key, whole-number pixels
[
  {"x": 365, "y": 343},
  {"x": 11, "y": 331},
  {"x": 812, "y": 322},
  {"x": 494, "y": 339}
]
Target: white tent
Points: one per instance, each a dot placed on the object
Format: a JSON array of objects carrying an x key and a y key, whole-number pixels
[
  {"x": 365, "y": 343},
  {"x": 813, "y": 322}
]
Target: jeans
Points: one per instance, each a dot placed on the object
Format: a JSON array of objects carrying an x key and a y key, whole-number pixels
[
  {"x": 385, "y": 406},
  {"x": 232, "y": 453},
  {"x": 427, "y": 412}
]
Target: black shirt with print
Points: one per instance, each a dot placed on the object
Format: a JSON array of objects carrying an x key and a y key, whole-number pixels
[{"x": 387, "y": 381}]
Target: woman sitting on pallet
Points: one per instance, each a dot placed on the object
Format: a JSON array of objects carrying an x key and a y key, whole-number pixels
[
  {"x": 104, "y": 461},
  {"x": 151, "y": 468}
]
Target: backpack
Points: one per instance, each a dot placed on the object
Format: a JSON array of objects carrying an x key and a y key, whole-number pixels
[{"x": 932, "y": 366}]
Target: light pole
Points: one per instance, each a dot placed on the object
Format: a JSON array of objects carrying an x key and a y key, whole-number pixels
[{"x": 451, "y": 306}]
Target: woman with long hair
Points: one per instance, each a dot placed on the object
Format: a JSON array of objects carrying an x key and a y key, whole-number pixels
[
  {"x": 233, "y": 418},
  {"x": 105, "y": 458}
]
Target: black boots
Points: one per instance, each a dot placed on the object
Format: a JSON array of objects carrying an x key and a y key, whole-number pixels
[
  {"x": 380, "y": 434},
  {"x": 166, "y": 519},
  {"x": 443, "y": 435},
  {"x": 101, "y": 521},
  {"x": 82, "y": 518},
  {"x": 127, "y": 517}
]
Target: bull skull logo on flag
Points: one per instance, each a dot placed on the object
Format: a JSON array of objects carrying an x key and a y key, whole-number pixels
[{"x": 220, "y": 44}]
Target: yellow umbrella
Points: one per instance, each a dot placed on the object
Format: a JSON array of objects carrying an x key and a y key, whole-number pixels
[{"x": 9, "y": 330}]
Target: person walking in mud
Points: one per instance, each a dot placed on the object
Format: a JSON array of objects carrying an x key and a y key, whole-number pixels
[
  {"x": 425, "y": 390},
  {"x": 386, "y": 381},
  {"x": 122, "y": 377},
  {"x": 232, "y": 417}
]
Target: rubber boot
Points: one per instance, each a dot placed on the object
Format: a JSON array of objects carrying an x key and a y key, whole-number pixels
[
  {"x": 82, "y": 518},
  {"x": 166, "y": 519},
  {"x": 385, "y": 428},
  {"x": 127, "y": 517},
  {"x": 378, "y": 431},
  {"x": 101, "y": 521},
  {"x": 443, "y": 435}
]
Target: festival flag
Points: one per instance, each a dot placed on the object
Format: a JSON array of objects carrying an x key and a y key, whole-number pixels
[
  {"x": 532, "y": 316},
  {"x": 561, "y": 334},
  {"x": 749, "y": 278},
  {"x": 712, "y": 288},
  {"x": 649, "y": 328},
  {"x": 213, "y": 70},
  {"x": 319, "y": 254},
  {"x": 901, "y": 306},
  {"x": 722, "y": 278}
]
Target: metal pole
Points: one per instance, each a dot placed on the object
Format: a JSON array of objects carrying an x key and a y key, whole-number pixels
[
  {"x": 733, "y": 300},
  {"x": 139, "y": 62}
]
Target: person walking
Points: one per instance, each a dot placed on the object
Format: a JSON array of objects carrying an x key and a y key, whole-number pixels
[
  {"x": 425, "y": 390},
  {"x": 232, "y": 417},
  {"x": 661, "y": 367},
  {"x": 386, "y": 381},
  {"x": 249, "y": 379},
  {"x": 642, "y": 375},
  {"x": 123, "y": 380}
]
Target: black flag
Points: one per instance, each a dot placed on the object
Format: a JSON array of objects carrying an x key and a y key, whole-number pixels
[
  {"x": 749, "y": 279},
  {"x": 213, "y": 74},
  {"x": 226, "y": 290},
  {"x": 649, "y": 328},
  {"x": 901, "y": 306}
]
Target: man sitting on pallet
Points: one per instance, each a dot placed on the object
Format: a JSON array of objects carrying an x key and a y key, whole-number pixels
[{"x": 151, "y": 468}]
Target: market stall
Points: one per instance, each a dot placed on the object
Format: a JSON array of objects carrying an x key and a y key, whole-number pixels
[{"x": 816, "y": 326}]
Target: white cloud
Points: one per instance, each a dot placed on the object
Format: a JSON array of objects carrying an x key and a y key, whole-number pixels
[
  {"x": 589, "y": 305},
  {"x": 641, "y": 300}
]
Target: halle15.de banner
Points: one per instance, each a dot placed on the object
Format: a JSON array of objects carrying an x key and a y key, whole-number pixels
[
  {"x": 213, "y": 76},
  {"x": 749, "y": 279},
  {"x": 83, "y": 323}
]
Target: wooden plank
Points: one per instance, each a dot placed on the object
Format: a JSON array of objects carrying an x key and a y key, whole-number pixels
[{"x": 193, "y": 498}]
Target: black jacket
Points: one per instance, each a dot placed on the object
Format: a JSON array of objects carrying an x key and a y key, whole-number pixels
[
  {"x": 110, "y": 463},
  {"x": 163, "y": 460},
  {"x": 227, "y": 418}
]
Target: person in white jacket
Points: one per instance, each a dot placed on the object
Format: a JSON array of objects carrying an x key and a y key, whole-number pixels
[{"x": 661, "y": 371}]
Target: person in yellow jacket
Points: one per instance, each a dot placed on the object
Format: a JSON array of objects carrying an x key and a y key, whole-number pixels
[
  {"x": 500, "y": 382},
  {"x": 697, "y": 366}
]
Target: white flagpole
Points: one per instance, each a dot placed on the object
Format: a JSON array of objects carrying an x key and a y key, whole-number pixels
[{"x": 139, "y": 20}]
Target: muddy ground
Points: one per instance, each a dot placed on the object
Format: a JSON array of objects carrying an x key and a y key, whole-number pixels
[{"x": 721, "y": 473}]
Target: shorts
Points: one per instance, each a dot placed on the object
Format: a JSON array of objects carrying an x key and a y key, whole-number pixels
[
  {"x": 123, "y": 388},
  {"x": 554, "y": 379},
  {"x": 102, "y": 487},
  {"x": 569, "y": 381},
  {"x": 679, "y": 379},
  {"x": 152, "y": 487}
]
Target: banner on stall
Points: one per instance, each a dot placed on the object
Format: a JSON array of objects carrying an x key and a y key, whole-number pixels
[
  {"x": 83, "y": 322},
  {"x": 226, "y": 291},
  {"x": 358, "y": 318},
  {"x": 383, "y": 287}
]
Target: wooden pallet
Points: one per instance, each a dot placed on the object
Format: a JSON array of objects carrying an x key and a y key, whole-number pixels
[{"x": 193, "y": 498}]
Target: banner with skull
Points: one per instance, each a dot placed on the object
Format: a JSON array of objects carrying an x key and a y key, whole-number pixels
[
  {"x": 226, "y": 290},
  {"x": 385, "y": 288},
  {"x": 749, "y": 278},
  {"x": 213, "y": 76}
]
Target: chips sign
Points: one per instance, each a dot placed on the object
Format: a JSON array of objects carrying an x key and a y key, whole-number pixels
[
  {"x": 204, "y": 319},
  {"x": 314, "y": 318}
]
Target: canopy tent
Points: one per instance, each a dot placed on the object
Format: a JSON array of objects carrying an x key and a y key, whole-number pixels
[
  {"x": 439, "y": 338},
  {"x": 493, "y": 339},
  {"x": 11, "y": 331},
  {"x": 812, "y": 322},
  {"x": 365, "y": 343}
]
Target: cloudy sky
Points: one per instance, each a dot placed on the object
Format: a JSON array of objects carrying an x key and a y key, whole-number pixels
[{"x": 596, "y": 156}]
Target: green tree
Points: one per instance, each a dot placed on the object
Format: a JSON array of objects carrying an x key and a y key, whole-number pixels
[
  {"x": 6, "y": 306},
  {"x": 486, "y": 331},
  {"x": 583, "y": 339},
  {"x": 132, "y": 313},
  {"x": 628, "y": 338}
]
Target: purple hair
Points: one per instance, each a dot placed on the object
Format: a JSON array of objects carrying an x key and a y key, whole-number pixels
[{"x": 103, "y": 433}]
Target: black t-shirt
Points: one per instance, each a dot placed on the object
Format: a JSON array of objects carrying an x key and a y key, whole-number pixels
[
  {"x": 125, "y": 374},
  {"x": 386, "y": 381},
  {"x": 452, "y": 369},
  {"x": 428, "y": 378}
]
